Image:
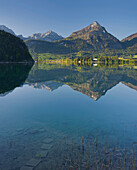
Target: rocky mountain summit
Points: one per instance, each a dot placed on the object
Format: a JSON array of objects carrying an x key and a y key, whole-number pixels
[
  {"x": 48, "y": 36},
  {"x": 97, "y": 36}
]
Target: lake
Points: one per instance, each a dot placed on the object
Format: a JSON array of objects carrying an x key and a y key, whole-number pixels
[{"x": 51, "y": 114}]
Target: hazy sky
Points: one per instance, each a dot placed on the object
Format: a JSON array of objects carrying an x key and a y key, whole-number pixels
[{"x": 26, "y": 17}]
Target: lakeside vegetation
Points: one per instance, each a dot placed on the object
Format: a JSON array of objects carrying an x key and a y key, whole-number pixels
[
  {"x": 112, "y": 61},
  {"x": 86, "y": 54}
]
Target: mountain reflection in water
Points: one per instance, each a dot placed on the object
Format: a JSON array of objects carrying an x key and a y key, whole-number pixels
[
  {"x": 12, "y": 76},
  {"x": 91, "y": 81}
]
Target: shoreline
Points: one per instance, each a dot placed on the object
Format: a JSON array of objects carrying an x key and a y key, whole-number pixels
[{"x": 17, "y": 62}]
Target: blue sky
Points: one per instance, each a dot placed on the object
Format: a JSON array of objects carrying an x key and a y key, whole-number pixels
[{"x": 26, "y": 17}]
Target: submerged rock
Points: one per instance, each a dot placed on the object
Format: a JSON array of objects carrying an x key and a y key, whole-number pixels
[
  {"x": 33, "y": 162},
  {"x": 48, "y": 140},
  {"x": 46, "y": 146},
  {"x": 26, "y": 168}
]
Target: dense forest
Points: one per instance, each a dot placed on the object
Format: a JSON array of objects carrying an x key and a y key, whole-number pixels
[
  {"x": 13, "y": 49},
  {"x": 73, "y": 48}
]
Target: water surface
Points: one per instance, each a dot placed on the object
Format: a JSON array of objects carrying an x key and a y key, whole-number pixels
[{"x": 58, "y": 102}]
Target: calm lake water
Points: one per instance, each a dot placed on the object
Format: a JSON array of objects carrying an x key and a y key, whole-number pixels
[{"x": 44, "y": 105}]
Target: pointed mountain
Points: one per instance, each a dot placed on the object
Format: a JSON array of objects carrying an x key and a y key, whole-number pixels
[
  {"x": 6, "y": 29},
  {"x": 97, "y": 36},
  {"x": 48, "y": 36}
]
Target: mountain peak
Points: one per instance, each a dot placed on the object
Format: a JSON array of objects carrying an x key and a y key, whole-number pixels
[
  {"x": 95, "y": 23},
  {"x": 50, "y": 31},
  {"x": 97, "y": 36},
  {"x": 48, "y": 36}
]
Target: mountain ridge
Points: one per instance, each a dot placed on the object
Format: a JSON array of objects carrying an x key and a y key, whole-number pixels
[
  {"x": 130, "y": 37},
  {"x": 130, "y": 42},
  {"x": 93, "y": 38},
  {"x": 97, "y": 36},
  {"x": 48, "y": 36}
]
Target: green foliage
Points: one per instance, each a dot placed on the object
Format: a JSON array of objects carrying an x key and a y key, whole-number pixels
[
  {"x": 129, "y": 43},
  {"x": 76, "y": 47},
  {"x": 13, "y": 49},
  {"x": 39, "y": 46}
]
